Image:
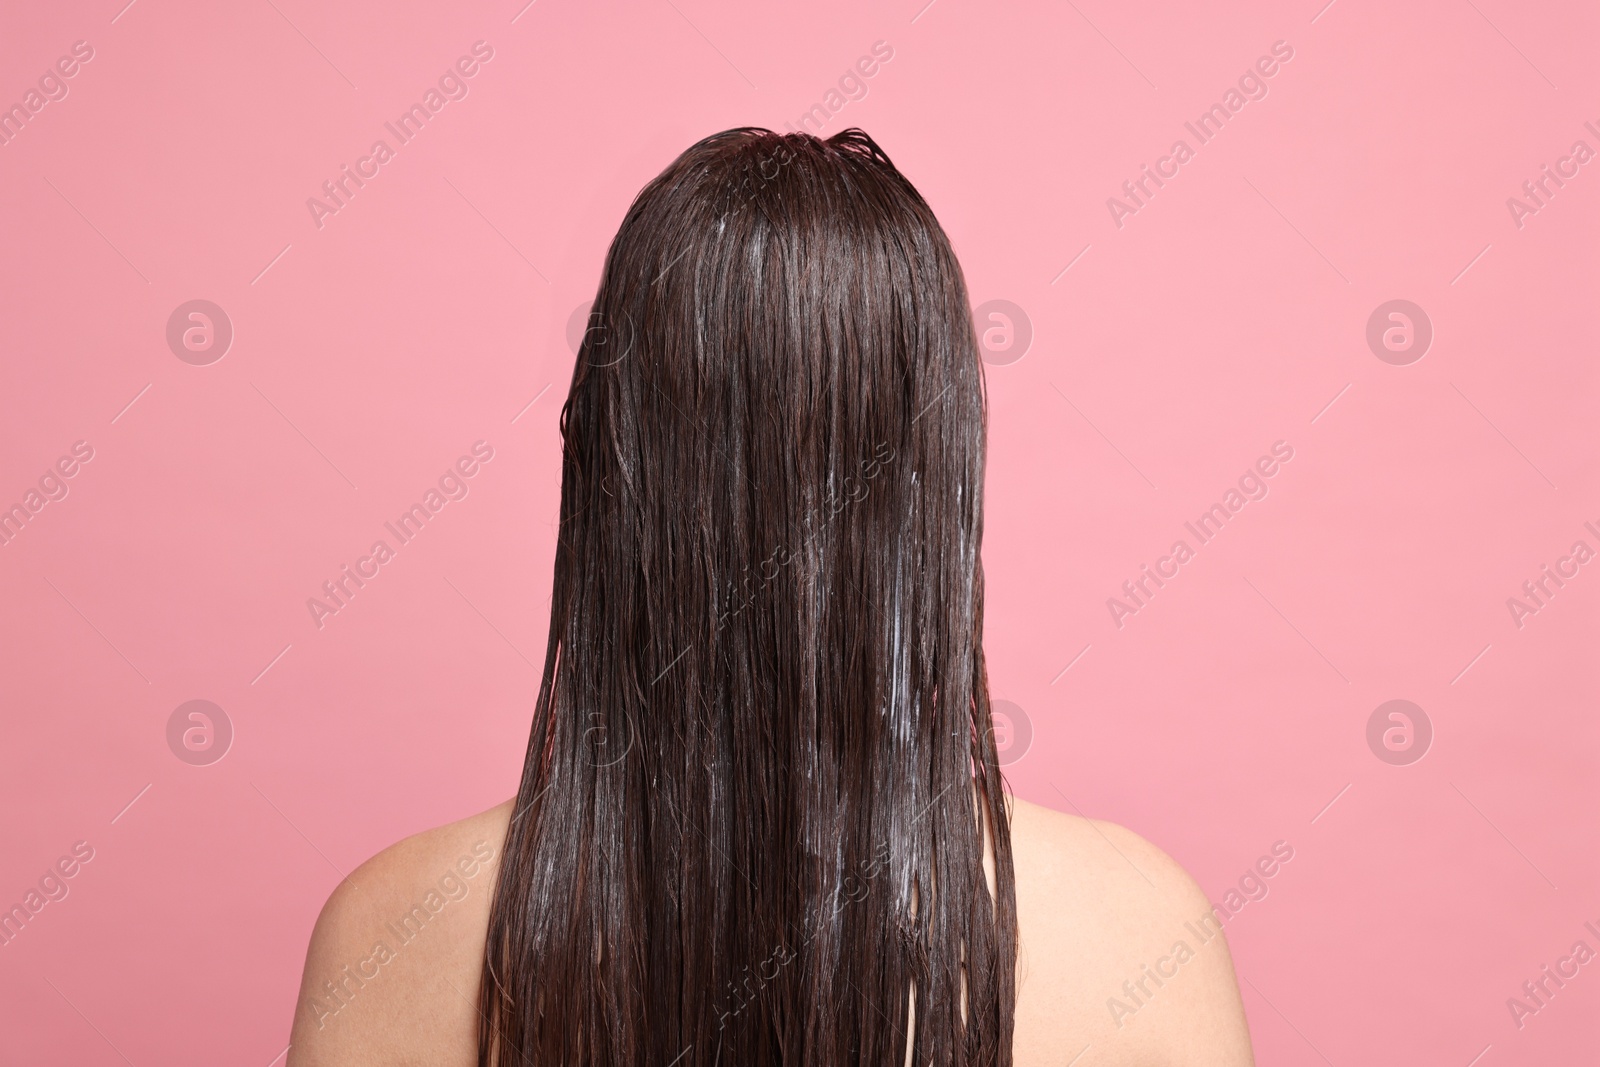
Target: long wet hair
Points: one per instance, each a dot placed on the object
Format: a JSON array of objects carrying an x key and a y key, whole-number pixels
[{"x": 751, "y": 823}]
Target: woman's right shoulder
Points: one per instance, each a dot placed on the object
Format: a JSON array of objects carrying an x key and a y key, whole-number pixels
[{"x": 1119, "y": 953}]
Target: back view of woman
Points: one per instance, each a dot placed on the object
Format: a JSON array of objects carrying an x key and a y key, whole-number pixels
[{"x": 761, "y": 819}]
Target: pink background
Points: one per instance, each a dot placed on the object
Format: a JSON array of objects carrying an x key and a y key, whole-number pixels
[{"x": 1227, "y": 314}]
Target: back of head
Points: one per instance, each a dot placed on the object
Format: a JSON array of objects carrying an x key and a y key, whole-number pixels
[{"x": 746, "y": 826}]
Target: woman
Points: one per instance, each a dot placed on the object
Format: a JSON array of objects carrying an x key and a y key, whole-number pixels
[{"x": 761, "y": 818}]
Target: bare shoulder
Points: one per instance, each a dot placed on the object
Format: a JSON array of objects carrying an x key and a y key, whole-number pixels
[
  {"x": 1120, "y": 952},
  {"x": 392, "y": 972}
]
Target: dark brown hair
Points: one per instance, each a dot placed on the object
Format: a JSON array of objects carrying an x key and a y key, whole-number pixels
[{"x": 746, "y": 827}]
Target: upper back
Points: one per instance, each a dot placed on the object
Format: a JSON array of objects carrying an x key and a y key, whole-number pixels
[{"x": 1111, "y": 961}]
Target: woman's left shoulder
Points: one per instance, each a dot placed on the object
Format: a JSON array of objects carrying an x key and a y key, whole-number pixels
[{"x": 392, "y": 972}]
